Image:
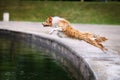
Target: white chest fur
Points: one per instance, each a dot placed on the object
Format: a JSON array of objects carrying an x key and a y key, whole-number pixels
[{"x": 55, "y": 20}]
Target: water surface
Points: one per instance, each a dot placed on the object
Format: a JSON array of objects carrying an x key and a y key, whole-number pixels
[{"x": 18, "y": 61}]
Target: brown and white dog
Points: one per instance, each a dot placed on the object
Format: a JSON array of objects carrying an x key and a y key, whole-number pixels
[{"x": 60, "y": 24}]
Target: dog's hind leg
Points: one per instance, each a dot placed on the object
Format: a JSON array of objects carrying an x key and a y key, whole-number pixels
[{"x": 96, "y": 44}]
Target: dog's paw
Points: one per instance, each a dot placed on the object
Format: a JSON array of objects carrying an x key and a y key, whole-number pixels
[
  {"x": 105, "y": 50},
  {"x": 50, "y": 32}
]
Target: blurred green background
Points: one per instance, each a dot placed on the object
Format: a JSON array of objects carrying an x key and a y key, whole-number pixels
[{"x": 92, "y": 12}]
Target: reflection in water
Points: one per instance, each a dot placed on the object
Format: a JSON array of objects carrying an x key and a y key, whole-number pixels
[{"x": 20, "y": 62}]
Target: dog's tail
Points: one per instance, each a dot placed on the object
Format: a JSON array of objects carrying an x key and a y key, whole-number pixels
[{"x": 100, "y": 39}]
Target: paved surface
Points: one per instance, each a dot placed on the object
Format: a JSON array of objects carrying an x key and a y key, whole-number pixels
[{"x": 106, "y": 66}]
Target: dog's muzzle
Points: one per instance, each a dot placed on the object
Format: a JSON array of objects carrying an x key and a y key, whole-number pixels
[{"x": 46, "y": 24}]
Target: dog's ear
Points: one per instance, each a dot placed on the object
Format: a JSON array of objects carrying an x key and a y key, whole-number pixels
[{"x": 50, "y": 19}]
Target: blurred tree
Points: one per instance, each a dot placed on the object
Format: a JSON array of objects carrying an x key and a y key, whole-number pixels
[
  {"x": 82, "y": 0},
  {"x": 72, "y": 0}
]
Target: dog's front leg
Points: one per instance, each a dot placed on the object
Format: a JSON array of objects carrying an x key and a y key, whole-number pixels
[
  {"x": 51, "y": 31},
  {"x": 55, "y": 29}
]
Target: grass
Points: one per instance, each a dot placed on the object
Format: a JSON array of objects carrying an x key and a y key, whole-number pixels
[{"x": 75, "y": 12}]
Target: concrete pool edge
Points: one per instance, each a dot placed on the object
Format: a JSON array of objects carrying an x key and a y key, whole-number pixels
[
  {"x": 92, "y": 63},
  {"x": 79, "y": 63}
]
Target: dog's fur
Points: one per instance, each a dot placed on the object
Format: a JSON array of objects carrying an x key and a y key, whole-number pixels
[{"x": 63, "y": 25}]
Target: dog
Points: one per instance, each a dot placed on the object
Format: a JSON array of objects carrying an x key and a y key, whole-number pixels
[{"x": 63, "y": 25}]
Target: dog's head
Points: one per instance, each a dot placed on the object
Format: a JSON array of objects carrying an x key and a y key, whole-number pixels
[
  {"x": 56, "y": 22},
  {"x": 48, "y": 22}
]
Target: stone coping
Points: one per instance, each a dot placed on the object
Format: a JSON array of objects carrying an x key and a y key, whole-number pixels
[{"x": 102, "y": 66}]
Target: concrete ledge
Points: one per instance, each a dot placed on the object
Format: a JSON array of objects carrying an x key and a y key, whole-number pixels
[
  {"x": 84, "y": 61},
  {"x": 59, "y": 51}
]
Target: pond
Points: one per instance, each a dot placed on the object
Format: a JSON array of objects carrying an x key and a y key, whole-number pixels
[{"x": 18, "y": 61}]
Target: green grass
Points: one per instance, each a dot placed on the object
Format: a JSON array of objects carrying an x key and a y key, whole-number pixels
[{"x": 75, "y": 12}]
